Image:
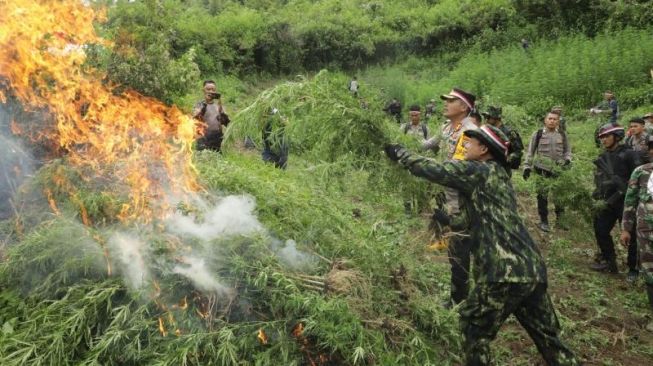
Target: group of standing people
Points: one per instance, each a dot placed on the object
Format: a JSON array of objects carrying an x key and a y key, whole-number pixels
[
  {"x": 509, "y": 272},
  {"x": 481, "y": 208}
]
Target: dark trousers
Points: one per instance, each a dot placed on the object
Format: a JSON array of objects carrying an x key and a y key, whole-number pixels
[
  {"x": 489, "y": 305},
  {"x": 604, "y": 222},
  {"x": 633, "y": 258},
  {"x": 212, "y": 140},
  {"x": 279, "y": 160},
  {"x": 543, "y": 199},
  {"x": 543, "y": 207},
  {"x": 459, "y": 257}
]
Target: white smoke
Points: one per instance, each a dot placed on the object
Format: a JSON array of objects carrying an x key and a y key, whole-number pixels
[
  {"x": 131, "y": 253},
  {"x": 289, "y": 255},
  {"x": 232, "y": 215},
  {"x": 16, "y": 165},
  {"x": 197, "y": 271}
]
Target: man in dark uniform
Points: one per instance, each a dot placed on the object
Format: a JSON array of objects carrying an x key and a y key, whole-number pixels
[
  {"x": 275, "y": 141},
  {"x": 508, "y": 270},
  {"x": 613, "y": 169},
  {"x": 394, "y": 109},
  {"x": 516, "y": 148}
]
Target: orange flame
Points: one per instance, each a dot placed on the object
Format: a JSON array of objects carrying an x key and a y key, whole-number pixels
[
  {"x": 131, "y": 139},
  {"x": 162, "y": 327},
  {"x": 51, "y": 201},
  {"x": 298, "y": 330},
  {"x": 262, "y": 337}
]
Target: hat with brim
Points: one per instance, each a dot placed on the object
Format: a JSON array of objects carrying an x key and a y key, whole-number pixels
[
  {"x": 610, "y": 129},
  {"x": 494, "y": 139},
  {"x": 457, "y": 93},
  {"x": 648, "y": 115}
]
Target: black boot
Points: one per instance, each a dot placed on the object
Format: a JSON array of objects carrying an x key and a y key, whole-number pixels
[{"x": 609, "y": 266}]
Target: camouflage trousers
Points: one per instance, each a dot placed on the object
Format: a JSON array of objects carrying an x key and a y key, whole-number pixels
[
  {"x": 645, "y": 244},
  {"x": 490, "y": 304}
]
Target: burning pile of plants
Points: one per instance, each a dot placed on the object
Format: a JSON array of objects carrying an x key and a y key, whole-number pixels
[{"x": 121, "y": 247}]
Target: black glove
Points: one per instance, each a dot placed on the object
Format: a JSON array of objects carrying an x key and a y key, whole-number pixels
[
  {"x": 567, "y": 162},
  {"x": 527, "y": 173},
  {"x": 391, "y": 151}
]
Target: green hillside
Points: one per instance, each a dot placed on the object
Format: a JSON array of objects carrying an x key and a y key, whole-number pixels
[{"x": 326, "y": 262}]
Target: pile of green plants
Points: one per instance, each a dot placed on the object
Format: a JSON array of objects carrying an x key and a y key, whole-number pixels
[{"x": 365, "y": 294}]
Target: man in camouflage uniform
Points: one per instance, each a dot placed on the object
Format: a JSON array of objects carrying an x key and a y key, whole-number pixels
[
  {"x": 516, "y": 148},
  {"x": 648, "y": 119},
  {"x": 508, "y": 270},
  {"x": 638, "y": 138},
  {"x": 638, "y": 213},
  {"x": 458, "y": 105},
  {"x": 548, "y": 150},
  {"x": 613, "y": 168}
]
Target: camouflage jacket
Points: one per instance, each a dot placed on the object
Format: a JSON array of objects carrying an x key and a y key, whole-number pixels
[
  {"x": 640, "y": 145},
  {"x": 638, "y": 204},
  {"x": 502, "y": 247},
  {"x": 516, "y": 149}
]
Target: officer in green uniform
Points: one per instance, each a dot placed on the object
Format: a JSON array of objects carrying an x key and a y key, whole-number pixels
[
  {"x": 638, "y": 213},
  {"x": 516, "y": 148},
  {"x": 508, "y": 270}
]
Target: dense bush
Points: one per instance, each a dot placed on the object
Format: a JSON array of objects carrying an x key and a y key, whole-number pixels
[{"x": 573, "y": 70}]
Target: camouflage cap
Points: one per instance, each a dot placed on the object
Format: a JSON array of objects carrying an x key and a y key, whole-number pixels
[
  {"x": 492, "y": 137},
  {"x": 648, "y": 115},
  {"x": 492, "y": 112}
]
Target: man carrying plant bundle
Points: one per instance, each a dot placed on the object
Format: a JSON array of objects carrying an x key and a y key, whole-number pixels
[
  {"x": 516, "y": 147},
  {"x": 613, "y": 169},
  {"x": 509, "y": 272},
  {"x": 211, "y": 113},
  {"x": 458, "y": 105},
  {"x": 394, "y": 109},
  {"x": 609, "y": 106},
  {"x": 548, "y": 151},
  {"x": 275, "y": 144},
  {"x": 638, "y": 215}
]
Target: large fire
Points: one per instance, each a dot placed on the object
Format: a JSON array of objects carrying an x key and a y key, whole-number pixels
[{"x": 129, "y": 139}]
